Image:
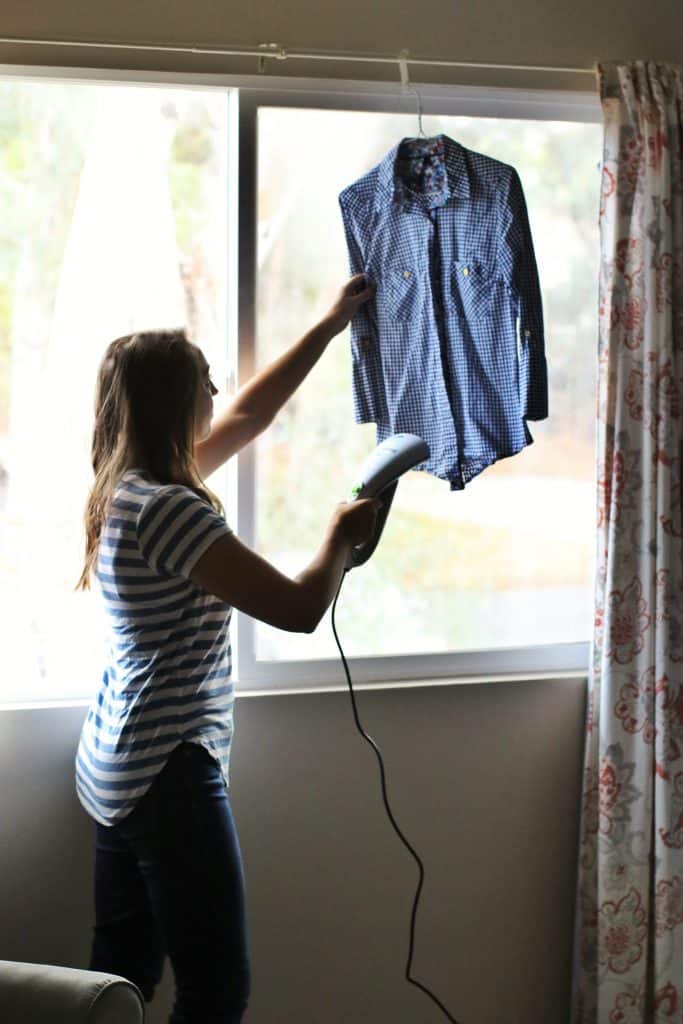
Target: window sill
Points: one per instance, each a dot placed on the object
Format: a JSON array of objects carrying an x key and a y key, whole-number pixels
[{"x": 253, "y": 690}]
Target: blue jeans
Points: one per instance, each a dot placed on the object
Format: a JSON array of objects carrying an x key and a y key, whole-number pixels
[{"x": 168, "y": 880}]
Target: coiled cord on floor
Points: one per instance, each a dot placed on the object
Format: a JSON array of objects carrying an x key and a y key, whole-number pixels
[{"x": 392, "y": 819}]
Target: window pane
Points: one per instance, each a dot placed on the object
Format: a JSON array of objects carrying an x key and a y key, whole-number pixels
[
  {"x": 508, "y": 561},
  {"x": 114, "y": 201}
]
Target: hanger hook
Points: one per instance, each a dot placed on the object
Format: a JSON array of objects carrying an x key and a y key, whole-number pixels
[
  {"x": 421, "y": 131},
  {"x": 406, "y": 83}
]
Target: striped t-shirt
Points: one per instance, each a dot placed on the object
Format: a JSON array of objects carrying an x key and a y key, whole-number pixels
[{"x": 167, "y": 677}]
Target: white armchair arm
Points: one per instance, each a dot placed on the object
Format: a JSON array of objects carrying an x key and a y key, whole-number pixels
[{"x": 42, "y": 994}]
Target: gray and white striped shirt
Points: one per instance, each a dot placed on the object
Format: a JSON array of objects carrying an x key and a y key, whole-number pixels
[{"x": 167, "y": 677}]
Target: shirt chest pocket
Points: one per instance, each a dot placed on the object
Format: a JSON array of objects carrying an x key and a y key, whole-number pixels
[
  {"x": 472, "y": 287},
  {"x": 403, "y": 288}
]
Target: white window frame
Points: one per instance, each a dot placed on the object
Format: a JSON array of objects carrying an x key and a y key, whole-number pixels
[
  {"x": 254, "y": 92},
  {"x": 570, "y": 659}
]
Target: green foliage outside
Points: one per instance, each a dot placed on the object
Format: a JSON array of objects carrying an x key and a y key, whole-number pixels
[
  {"x": 41, "y": 156},
  {"x": 308, "y": 460},
  {"x": 44, "y": 132}
]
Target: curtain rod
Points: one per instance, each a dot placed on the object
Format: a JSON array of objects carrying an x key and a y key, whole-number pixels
[{"x": 274, "y": 51}]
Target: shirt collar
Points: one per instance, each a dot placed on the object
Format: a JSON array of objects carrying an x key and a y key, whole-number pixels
[{"x": 389, "y": 188}]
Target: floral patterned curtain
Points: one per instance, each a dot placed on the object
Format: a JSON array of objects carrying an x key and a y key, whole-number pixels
[{"x": 629, "y": 948}]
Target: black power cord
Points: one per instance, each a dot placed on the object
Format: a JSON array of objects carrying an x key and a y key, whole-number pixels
[{"x": 392, "y": 819}]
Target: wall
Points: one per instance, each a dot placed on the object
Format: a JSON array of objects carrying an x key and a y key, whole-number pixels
[
  {"x": 530, "y": 32},
  {"x": 483, "y": 779}
]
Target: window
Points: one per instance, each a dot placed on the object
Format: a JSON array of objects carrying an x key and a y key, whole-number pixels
[
  {"x": 120, "y": 200},
  {"x": 114, "y": 219},
  {"x": 487, "y": 574}
]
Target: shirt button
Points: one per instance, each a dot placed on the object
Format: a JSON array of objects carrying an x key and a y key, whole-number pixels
[
  {"x": 465, "y": 271},
  {"x": 365, "y": 343},
  {"x": 406, "y": 274},
  {"x": 527, "y": 334}
]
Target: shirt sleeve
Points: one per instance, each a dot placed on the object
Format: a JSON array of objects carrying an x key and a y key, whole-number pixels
[
  {"x": 365, "y": 348},
  {"x": 519, "y": 264},
  {"x": 174, "y": 529}
]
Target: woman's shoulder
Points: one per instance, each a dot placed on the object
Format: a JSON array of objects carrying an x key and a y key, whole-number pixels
[
  {"x": 136, "y": 490},
  {"x": 142, "y": 482},
  {"x": 152, "y": 496}
]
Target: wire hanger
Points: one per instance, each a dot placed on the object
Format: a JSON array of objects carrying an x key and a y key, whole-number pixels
[{"x": 407, "y": 84}]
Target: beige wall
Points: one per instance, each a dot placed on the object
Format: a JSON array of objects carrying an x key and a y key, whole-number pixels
[
  {"x": 484, "y": 780},
  {"x": 532, "y": 32}
]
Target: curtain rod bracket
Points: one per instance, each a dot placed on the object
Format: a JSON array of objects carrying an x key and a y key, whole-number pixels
[{"x": 270, "y": 50}]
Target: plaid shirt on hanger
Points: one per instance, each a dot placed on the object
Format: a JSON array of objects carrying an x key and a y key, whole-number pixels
[{"x": 451, "y": 347}]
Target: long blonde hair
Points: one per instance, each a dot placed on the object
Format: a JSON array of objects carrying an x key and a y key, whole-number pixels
[{"x": 144, "y": 418}]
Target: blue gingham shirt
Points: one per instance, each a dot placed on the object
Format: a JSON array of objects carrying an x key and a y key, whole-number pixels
[{"x": 451, "y": 346}]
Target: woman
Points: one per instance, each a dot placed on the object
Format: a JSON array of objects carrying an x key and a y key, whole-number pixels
[{"x": 152, "y": 763}]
